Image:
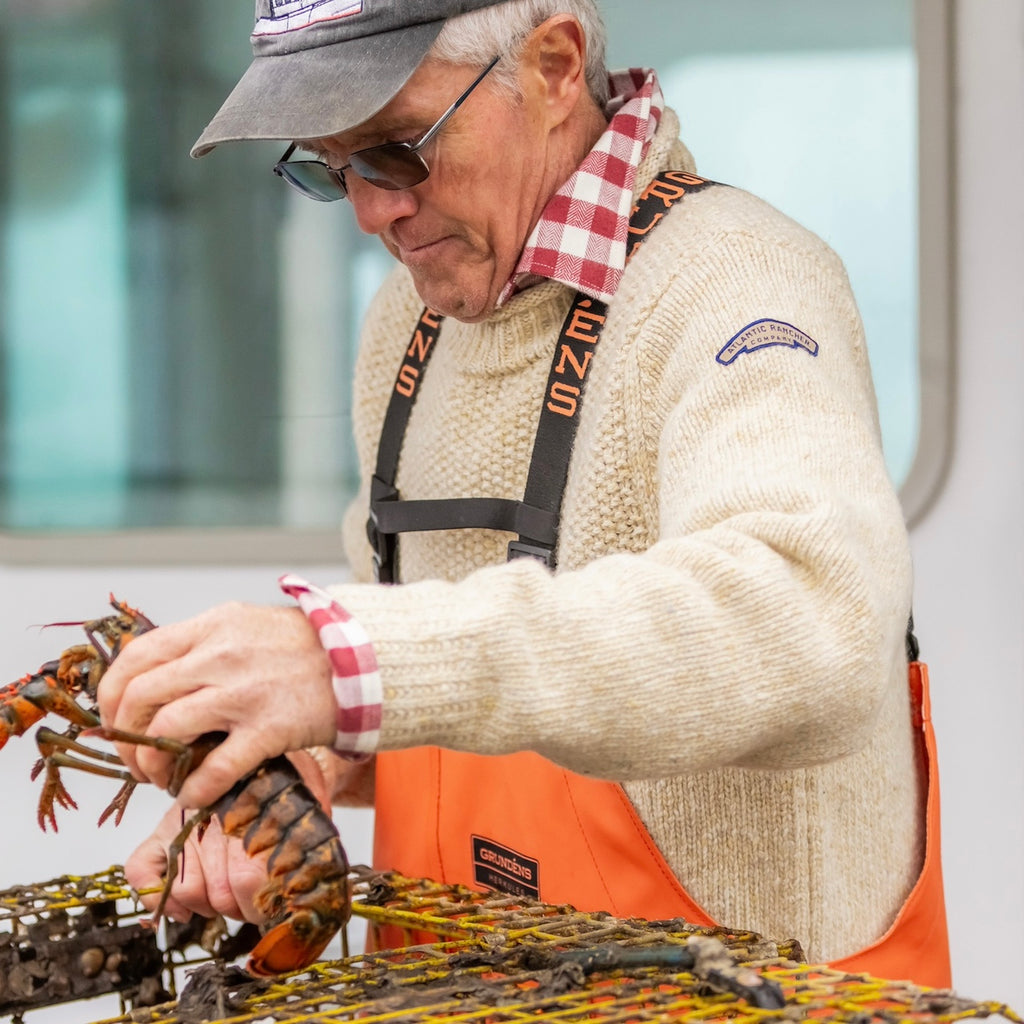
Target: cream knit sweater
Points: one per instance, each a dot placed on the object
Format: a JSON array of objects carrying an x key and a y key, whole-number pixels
[{"x": 724, "y": 634}]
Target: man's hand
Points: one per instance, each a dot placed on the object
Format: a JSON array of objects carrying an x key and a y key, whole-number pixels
[
  {"x": 257, "y": 673},
  {"x": 215, "y": 875}
]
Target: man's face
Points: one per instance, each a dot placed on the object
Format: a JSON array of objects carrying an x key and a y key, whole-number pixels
[{"x": 461, "y": 231}]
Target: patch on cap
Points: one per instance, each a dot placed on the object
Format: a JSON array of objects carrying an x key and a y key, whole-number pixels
[
  {"x": 761, "y": 334},
  {"x": 289, "y": 15}
]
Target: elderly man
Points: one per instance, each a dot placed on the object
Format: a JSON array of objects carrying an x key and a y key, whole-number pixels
[{"x": 664, "y": 677}]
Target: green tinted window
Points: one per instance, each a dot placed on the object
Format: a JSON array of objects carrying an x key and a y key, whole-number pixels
[{"x": 178, "y": 335}]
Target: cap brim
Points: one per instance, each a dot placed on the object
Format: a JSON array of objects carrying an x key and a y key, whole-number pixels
[{"x": 314, "y": 93}]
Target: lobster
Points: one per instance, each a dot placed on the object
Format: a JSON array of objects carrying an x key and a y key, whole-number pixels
[
  {"x": 306, "y": 898},
  {"x": 53, "y": 688}
]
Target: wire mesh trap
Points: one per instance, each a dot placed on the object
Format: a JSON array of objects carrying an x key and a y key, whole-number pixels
[
  {"x": 496, "y": 958},
  {"x": 80, "y": 936}
]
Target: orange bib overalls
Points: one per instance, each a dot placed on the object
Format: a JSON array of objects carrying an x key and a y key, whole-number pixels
[{"x": 523, "y": 825}]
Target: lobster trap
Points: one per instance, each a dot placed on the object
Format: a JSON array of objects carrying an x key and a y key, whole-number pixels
[
  {"x": 81, "y": 936},
  {"x": 493, "y": 958}
]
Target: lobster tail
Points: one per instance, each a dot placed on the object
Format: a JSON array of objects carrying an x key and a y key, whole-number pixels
[
  {"x": 306, "y": 897},
  {"x": 291, "y": 945}
]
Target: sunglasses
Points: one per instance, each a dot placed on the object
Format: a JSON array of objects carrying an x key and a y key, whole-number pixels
[{"x": 392, "y": 166}]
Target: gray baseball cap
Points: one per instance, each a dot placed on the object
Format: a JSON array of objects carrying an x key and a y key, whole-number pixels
[{"x": 323, "y": 66}]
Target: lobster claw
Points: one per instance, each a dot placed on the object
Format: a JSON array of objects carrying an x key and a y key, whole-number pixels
[{"x": 291, "y": 945}]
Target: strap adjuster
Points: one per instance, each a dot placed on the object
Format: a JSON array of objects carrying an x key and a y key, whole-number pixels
[
  {"x": 521, "y": 549},
  {"x": 383, "y": 544}
]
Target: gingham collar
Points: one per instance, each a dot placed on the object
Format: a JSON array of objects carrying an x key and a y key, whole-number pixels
[{"x": 580, "y": 239}]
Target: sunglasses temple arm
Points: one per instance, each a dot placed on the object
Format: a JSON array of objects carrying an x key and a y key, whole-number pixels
[{"x": 455, "y": 106}]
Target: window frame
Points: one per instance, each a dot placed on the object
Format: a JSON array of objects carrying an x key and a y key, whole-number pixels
[
  {"x": 934, "y": 38},
  {"x": 934, "y": 42}
]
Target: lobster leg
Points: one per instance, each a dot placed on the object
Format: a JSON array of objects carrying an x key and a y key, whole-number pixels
[
  {"x": 46, "y": 693},
  {"x": 73, "y": 660},
  {"x": 51, "y": 743},
  {"x": 174, "y": 852},
  {"x": 54, "y": 748},
  {"x": 182, "y": 752},
  {"x": 53, "y": 792},
  {"x": 119, "y": 803}
]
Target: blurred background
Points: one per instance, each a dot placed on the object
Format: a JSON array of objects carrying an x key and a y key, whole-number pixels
[
  {"x": 177, "y": 338},
  {"x": 198, "y": 322}
]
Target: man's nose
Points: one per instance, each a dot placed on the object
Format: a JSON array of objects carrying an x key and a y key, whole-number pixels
[{"x": 377, "y": 208}]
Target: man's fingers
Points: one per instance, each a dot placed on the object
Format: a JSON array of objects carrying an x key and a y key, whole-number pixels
[
  {"x": 214, "y": 875},
  {"x": 193, "y": 715},
  {"x": 144, "y": 654},
  {"x": 217, "y": 877},
  {"x": 194, "y": 712},
  {"x": 206, "y": 885},
  {"x": 244, "y": 876},
  {"x": 162, "y": 760},
  {"x": 135, "y": 710},
  {"x": 242, "y": 752}
]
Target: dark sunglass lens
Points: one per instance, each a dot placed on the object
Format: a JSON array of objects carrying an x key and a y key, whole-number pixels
[
  {"x": 393, "y": 166},
  {"x": 313, "y": 179}
]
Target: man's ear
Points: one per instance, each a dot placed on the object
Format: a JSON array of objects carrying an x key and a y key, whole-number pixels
[{"x": 554, "y": 65}]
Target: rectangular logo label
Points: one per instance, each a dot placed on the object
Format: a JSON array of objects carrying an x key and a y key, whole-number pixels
[
  {"x": 288, "y": 15},
  {"x": 503, "y": 869}
]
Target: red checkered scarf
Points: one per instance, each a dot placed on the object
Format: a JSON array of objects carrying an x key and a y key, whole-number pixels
[{"x": 580, "y": 239}]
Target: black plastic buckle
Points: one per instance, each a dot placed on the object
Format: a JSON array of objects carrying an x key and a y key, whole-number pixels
[
  {"x": 383, "y": 552},
  {"x": 521, "y": 549},
  {"x": 385, "y": 546}
]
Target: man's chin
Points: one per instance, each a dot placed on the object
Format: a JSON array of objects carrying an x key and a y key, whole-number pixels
[{"x": 460, "y": 304}]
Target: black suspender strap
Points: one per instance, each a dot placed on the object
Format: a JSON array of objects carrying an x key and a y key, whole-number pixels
[
  {"x": 403, "y": 396},
  {"x": 536, "y": 518},
  {"x": 559, "y": 418},
  {"x": 383, "y": 493}
]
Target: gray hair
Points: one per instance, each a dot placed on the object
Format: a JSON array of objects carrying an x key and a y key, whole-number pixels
[{"x": 475, "y": 37}]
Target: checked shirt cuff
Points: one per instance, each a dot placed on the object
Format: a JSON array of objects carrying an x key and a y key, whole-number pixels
[{"x": 354, "y": 672}]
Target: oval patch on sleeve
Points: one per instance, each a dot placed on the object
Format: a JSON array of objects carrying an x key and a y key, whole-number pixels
[{"x": 761, "y": 334}]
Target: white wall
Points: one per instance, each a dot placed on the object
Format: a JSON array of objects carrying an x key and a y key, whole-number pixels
[
  {"x": 969, "y": 554},
  {"x": 969, "y": 550}
]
